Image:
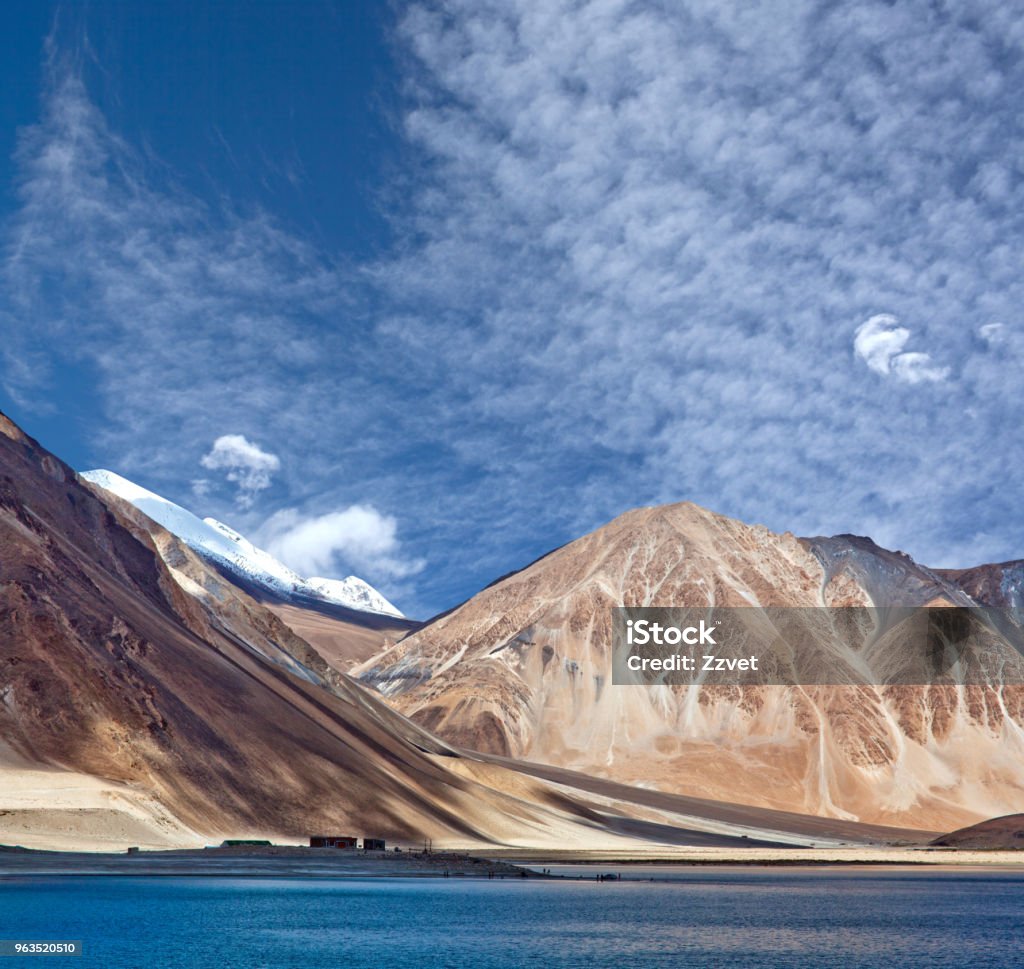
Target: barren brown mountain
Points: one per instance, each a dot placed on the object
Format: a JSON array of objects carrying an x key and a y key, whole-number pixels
[
  {"x": 144, "y": 699},
  {"x": 523, "y": 670}
]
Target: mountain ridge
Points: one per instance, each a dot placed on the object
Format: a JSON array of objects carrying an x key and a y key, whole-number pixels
[{"x": 523, "y": 670}]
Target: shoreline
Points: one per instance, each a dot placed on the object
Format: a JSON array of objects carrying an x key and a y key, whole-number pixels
[{"x": 283, "y": 861}]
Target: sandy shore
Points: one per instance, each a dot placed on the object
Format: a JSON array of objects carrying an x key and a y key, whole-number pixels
[{"x": 298, "y": 862}]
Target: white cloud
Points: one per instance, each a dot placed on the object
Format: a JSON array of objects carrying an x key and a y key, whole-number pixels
[
  {"x": 879, "y": 342},
  {"x": 359, "y": 538},
  {"x": 247, "y": 465}
]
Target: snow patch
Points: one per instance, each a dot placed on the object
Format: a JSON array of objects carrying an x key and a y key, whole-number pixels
[{"x": 226, "y": 547}]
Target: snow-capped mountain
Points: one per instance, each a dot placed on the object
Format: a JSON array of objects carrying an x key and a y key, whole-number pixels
[{"x": 226, "y": 547}]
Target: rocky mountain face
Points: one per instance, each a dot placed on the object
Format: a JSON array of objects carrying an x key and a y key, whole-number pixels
[
  {"x": 523, "y": 669},
  {"x": 147, "y": 698}
]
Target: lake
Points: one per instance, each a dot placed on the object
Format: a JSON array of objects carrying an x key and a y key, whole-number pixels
[{"x": 818, "y": 918}]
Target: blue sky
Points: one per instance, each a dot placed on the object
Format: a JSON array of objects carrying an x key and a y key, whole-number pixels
[{"x": 420, "y": 291}]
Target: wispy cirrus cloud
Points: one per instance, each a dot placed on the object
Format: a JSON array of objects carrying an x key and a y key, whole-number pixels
[
  {"x": 994, "y": 334},
  {"x": 178, "y": 306},
  {"x": 187, "y": 315},
  {"x": 635, "y": 245}
]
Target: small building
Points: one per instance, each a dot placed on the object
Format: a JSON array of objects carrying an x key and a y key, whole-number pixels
[
  {"x": 332, "y": 841},
  {"x": 373, "y": 844}
]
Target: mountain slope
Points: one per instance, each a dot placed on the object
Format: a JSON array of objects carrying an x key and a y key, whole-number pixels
[
  {"x": 523, "y": 670},
  {"x": 223, "y": 545}
]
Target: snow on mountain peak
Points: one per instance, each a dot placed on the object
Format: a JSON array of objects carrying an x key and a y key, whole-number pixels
[
  {"x": 352, "y": 589},
  {"x": 225, "y": 546}
]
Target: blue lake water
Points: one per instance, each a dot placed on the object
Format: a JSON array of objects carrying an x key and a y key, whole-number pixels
[{"x": 693, "y": 917}]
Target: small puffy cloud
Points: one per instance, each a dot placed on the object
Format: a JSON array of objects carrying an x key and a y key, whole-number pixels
[
  {"x": 878, "y": 340},
  {"x": 358, "y": 537},
  {"x": 246, "y": 464},
  {"x": 879, "y": 343}
]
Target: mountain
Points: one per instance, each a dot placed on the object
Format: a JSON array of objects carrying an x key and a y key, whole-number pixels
[
  {"x": 147, "y": 699},
  {"x": 999, "y": 585},
  {"x": 130, "y": 709},
  {"x": 351, "y": 592},
  {"x": 996, "y": 834},
  {"x": 223, "y": 545},
  {"x": 523, "y": 670}
]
